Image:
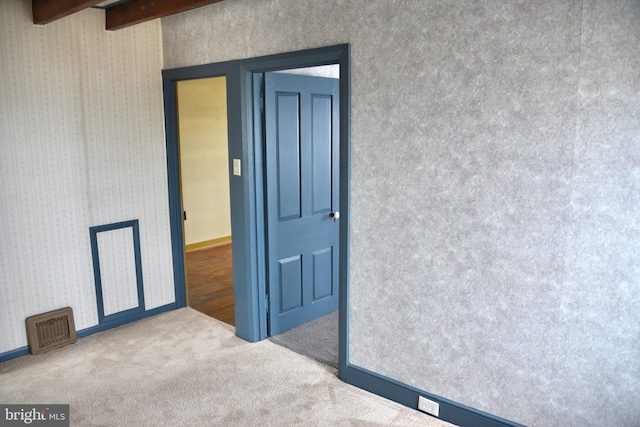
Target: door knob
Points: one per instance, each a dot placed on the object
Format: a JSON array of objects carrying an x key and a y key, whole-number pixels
[{"x": 335, "y": 215}]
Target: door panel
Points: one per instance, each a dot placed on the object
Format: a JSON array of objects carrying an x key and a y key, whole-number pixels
[
  {"x": 302, "y": 172},
  {"x": 288, "y": 152},
  {"x": 321, "y": 152},
  {"x": 322, "y": 274},
  {"x": 290, "y": 281}
]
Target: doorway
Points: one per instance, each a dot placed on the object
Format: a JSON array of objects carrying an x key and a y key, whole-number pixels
[
  {"x": 247, "y": 182},
  {"x": 301, "y": 146},
  {"x": 202, "y": 126}
]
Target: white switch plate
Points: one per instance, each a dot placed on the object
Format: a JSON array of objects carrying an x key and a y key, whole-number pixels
[
  {"x": 428, "y": 406},
  {"x": 237, "y": 169}
]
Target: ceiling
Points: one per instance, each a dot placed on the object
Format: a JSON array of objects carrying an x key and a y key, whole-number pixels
[
  {"x": 109, "y": 3},
  {"x": 118, "y": 13}
]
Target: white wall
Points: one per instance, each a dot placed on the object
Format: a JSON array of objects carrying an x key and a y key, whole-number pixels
[
  {"x": 204, "y": 158},
  {"x": 81, "y": 144},
  {"x": 495, "y": 190}
]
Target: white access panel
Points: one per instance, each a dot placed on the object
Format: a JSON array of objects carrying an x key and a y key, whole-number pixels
[{"x": 117, "y": 270}]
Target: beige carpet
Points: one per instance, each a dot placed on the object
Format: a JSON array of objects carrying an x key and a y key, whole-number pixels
[{"x": 183, "y": 368}]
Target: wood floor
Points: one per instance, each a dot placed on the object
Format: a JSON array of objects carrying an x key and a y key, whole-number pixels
[{"x": 210, "y": 282}]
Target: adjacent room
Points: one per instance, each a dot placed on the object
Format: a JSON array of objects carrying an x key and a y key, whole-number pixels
[{"x": 204, "y": 181}]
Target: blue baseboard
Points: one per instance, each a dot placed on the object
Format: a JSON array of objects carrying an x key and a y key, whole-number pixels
[
  {"x": 12, "y": 354},
  {"x": 450, "y": 411},
  {"x": 124, "y": 320},
  {"x": 23, "y": 351}
]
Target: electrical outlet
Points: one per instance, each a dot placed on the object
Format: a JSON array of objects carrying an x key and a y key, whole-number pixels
[
  {"x": 237, "y": 167},
  {"x": 428, "y": 406}
]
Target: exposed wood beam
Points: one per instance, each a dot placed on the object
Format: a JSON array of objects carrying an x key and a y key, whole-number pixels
[
  {"x": 137, "y": 11},
  {"x": 45, "y": 11}
]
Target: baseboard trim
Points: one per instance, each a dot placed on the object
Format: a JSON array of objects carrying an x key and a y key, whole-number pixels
[
  {"x": 23, "y": 351},
  {"x": 450, "y": 411},
  {"x": 207, "y": 244},
  {"x": 124, "y": 320},
  {"x": 12, "y": 354}
]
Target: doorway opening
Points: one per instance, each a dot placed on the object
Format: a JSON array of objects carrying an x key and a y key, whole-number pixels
[
  {"x": 301, "y": 145},
  {"x": 204, "y": 180},
  {"x": 246, "y": 181}
]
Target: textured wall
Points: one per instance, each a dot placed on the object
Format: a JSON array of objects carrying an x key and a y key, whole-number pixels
[
  {"x": 496, "y": 159},
  {"x": 246, "y": 28},
  {"x": 463, "y": 150},
  {"x": 598, "y": 369},
  {"x": 204, "y": 158},
  {"x": 81, "y": 144}
]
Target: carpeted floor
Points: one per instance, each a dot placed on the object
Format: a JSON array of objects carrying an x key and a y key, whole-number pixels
[
  {"x": 317, "y": 339},
  {"x": 183, "y": 368}
]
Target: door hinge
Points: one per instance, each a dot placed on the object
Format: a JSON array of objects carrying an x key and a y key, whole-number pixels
[
  {"x": 262, "y": 102},
  {"x": 266, "y": 303}
]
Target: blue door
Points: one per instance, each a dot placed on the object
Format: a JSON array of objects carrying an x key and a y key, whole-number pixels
[{"x": 302, "y": 173}]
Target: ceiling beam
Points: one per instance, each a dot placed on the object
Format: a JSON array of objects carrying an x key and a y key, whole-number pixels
[
  {"x": 45, "y": 11},
  {"x": 137, "y": 11}
]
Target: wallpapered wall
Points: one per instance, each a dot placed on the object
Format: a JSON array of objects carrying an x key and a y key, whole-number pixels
[
  {"x": 496, "y": 159},
  {"x": 81, "y": 144}
]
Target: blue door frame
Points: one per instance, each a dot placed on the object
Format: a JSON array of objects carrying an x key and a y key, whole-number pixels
[{"x": 247, "y": 195}]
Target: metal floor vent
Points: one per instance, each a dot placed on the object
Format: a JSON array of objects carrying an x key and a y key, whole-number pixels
[{"x": 50, "y": 330}]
